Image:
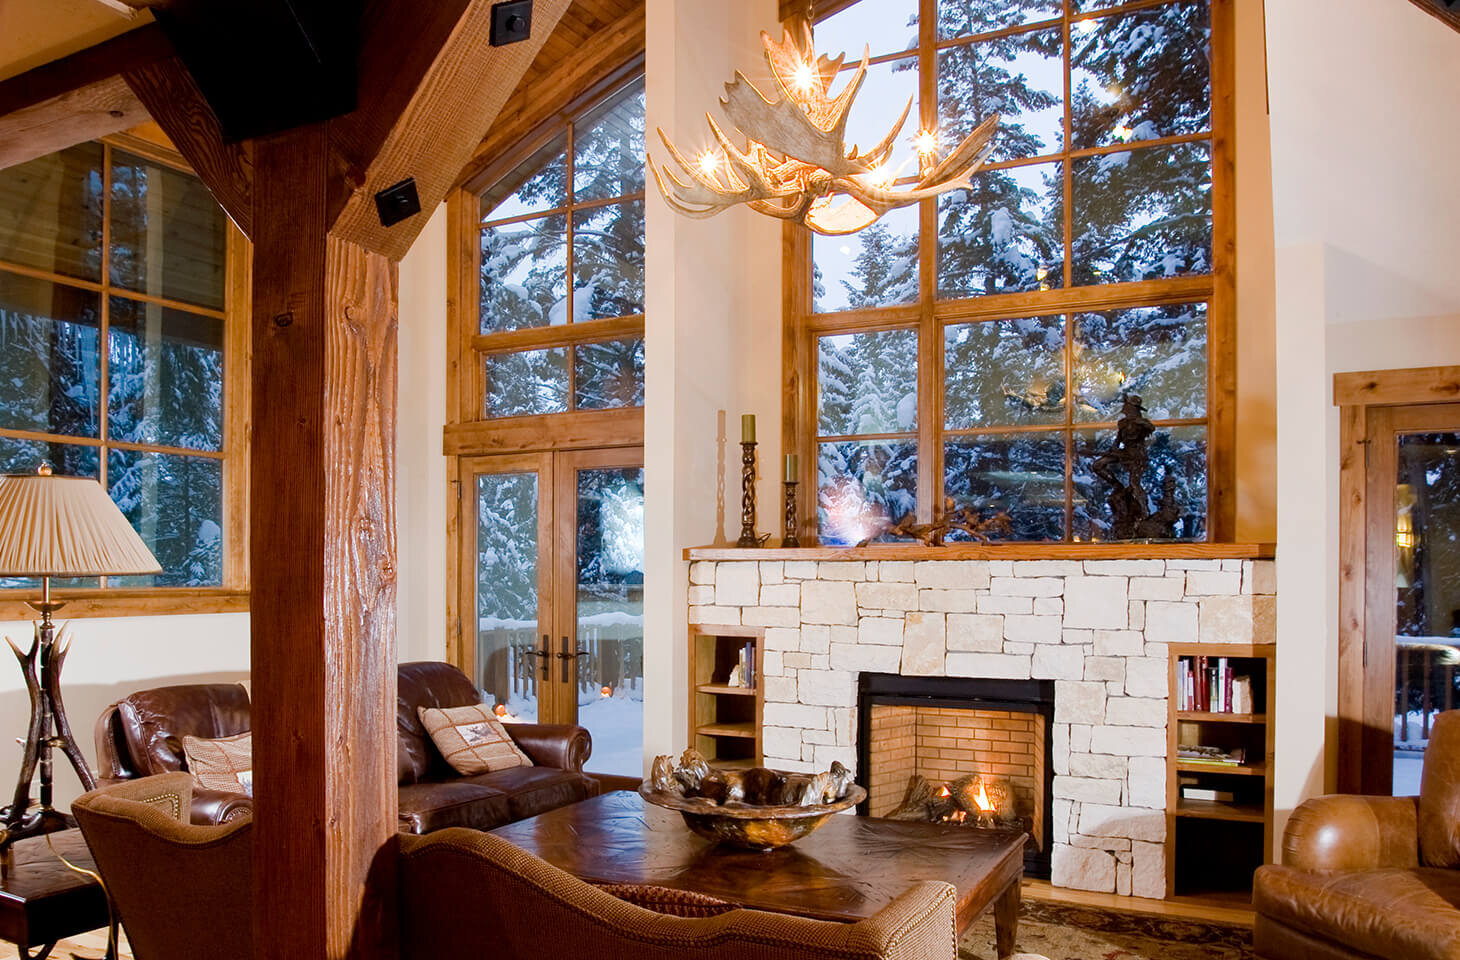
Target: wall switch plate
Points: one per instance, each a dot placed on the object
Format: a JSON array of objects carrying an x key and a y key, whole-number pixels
[
  {"x": 511, "y": 22},
  {"x": 397, "y": 202}
]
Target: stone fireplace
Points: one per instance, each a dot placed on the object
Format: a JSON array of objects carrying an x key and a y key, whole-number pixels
[
  {"x": 932, "y": 733},
  {"x": 1094, "y": 630}
]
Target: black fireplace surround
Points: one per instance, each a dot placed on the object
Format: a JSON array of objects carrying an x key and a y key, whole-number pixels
[{"x": 1015, "y": 696}]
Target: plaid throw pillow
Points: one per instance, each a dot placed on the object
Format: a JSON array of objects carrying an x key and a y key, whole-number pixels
[
  {"x": 225, "y": 764},
  {"x": 471, "y": 739}
]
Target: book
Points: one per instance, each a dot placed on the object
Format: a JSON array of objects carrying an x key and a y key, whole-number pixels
[
  {"x": 1242, "y": 695},
  {"x": 1206, "y": 793}
]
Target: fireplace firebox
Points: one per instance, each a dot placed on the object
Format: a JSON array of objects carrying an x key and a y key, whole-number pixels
[{"x": 960, "y": 750}]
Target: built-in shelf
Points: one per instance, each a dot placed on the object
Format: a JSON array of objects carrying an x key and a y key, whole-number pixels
[
  {"x": 1245, "y": 770},
  {"x": 724, "y": 722},
  {"x": 995, "y": 551},
  {"x": 721, "y": 690},
  {"x": 1202, "y": 716},
  {"x": 746, "y": 730},
  {"x": 1216, "y": 810},
  {"x": 1213, "y": 844}
]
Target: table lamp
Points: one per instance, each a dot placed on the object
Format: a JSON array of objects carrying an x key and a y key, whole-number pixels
[{"x": 55, "y": 526}]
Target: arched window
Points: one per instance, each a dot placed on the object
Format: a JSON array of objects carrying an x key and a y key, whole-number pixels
[
  {"x": 561, "y": 304},
  {"x": 977, "y": 347}
]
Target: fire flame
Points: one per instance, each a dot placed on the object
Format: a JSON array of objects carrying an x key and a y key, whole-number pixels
[
  {"x": 985, "y": 805},
  {"x": 944, "y": 791}
]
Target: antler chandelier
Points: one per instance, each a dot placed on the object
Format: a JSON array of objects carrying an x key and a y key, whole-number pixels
[{"x": 796, "y": 163}]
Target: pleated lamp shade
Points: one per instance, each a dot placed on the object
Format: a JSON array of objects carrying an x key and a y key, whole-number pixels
[{"x": 66, "y": 527}]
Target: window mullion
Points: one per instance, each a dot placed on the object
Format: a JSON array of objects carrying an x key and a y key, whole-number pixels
[
  {"x": 930, "y": 387},
  {"x": 570, "y": 352},
  {"x": 104, "y": 332}
]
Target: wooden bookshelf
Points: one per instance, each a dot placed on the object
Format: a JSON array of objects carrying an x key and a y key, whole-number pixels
[
  {"x": 725, "y": 721},
  {"x": 1213, "y": 846}
]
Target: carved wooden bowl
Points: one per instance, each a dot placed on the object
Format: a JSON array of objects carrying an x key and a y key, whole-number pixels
[{"x": 751, "y": 826}]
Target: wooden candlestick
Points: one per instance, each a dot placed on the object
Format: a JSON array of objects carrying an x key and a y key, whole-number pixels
[
  {"x": 790, "y": 539},
  {"x": 747, "y": 493}
]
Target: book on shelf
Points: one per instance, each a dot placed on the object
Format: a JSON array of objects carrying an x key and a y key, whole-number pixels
[
  {"x": 1210, "y": 756},
  {"x": 1206, "y": 793},
  {"x": 1210, "y": 685},
  {"x": 746, "y": 663}
]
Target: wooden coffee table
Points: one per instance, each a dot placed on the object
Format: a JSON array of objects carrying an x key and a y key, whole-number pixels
[
  {"x": 848, "y": 870},
  {"x": 42, "y": 900}
]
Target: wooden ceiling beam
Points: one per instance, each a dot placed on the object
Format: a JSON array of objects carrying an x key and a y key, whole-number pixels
[
  {"x": 444, "y": 118},
  {"x": 135, "y": 48},
  {"x": 1447, "y": 11},
  {"x": 76, "y": 98},
  {"x": 84, "y": 113},
  {"x": 174, "y": 101},
  {"x": 552, "y": 90}
]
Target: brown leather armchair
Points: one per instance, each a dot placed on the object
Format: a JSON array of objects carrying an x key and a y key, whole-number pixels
[
  {"x": 1370, "y": 878},
  {"x": 181, "y": 891},
  {"x": 443, "y": 913},
  {"x": 141, "y": 736}
]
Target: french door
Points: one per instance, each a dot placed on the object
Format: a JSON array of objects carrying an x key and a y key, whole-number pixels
[
  {"x": 552, "y": 593},
  {"x": 1410, "y": 659}
]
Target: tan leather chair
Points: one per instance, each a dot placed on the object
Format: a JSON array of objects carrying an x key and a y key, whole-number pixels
[
  {"x": 182, "y": 891},
  {"x": 470, "y": 894},
  {"x": 1370, "y": 877}
]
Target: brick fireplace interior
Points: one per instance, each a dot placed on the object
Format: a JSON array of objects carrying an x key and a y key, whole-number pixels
[{"x": 947, "y": 729}]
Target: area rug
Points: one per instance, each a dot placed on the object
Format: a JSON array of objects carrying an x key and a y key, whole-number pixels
[{"x": 1067, "y": 932}]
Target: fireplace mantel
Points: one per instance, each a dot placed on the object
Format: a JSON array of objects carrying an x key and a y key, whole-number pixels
[{"x": 995, "y": 551}]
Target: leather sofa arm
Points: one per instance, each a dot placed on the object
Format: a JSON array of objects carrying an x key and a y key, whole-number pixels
[
  {"x": 1350, "y": 832},
  {"x": 217, "y": 807},
  {"x": 565, "y": 746}
]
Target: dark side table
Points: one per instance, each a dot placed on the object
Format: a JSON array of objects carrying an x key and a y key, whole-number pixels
[{"x": 42, "y": 901}]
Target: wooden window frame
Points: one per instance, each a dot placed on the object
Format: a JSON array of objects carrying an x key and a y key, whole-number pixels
[
  {"x": 1366, "y": 400},
  {"x": 231, "y": 596},
  {"x": 468, "y": 348},
  {"x": 468, "y": 434},
  {"x": 930, "y": 316}
]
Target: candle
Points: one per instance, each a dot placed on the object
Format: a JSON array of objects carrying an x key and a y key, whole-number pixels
[
  {"x": 791, "y": 468},
  {"x": 747, "y": 428}
]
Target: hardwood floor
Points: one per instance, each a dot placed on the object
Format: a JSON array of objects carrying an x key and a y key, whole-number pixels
[{"x": 1218, "y": 909}]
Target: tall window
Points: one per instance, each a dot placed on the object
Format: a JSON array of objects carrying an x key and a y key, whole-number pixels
[
  {"x": 978, "y": 347},
  {"x": 112, "y": 335},
  {"x": 562, "y": 269}
]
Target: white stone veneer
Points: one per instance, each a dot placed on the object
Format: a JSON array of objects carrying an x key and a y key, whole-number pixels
[{"x": 1098, "y": 628}]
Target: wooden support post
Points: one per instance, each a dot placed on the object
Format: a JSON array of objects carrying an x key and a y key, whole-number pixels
[{"x": 323, "y": 541}]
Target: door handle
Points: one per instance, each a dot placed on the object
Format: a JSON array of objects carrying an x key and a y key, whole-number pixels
[
  {"x": 566, "y": 656},
  {"x": 545, "y": 653}
]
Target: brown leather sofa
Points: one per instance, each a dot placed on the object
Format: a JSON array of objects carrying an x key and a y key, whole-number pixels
[
  {"x": 1370, "y": 878},
  {"x": 443, "y": 913},
  {"x": 141, "y": 735}
]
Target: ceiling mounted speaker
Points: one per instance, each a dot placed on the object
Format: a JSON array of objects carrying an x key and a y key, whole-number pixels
[{"x": 511, "y": 22}]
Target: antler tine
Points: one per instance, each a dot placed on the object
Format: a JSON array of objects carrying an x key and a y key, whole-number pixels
[
  {"x": 697, "y": 213},
  {"x": 967, "y": 157}
]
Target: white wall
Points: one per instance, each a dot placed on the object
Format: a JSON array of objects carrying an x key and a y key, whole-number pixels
[
  {"x": 1366, "y": 218},
  {"x": 713, "y": 319},
  {"x": 421, "y": 482}
]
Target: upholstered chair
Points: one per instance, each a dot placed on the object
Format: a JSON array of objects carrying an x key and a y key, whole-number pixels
[
  {"x": 182, "y": 891},
  {"x": 464, "y": 893},
  {"x": 1370, "y": 878}
]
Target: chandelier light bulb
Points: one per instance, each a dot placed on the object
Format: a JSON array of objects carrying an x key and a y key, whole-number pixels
[
  {"x": 928, "y": 143},
  {"x": 803, "y": 78},
  {"x": 709, "y": 163}
]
